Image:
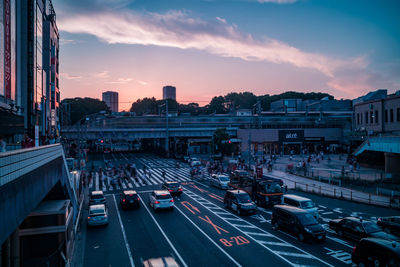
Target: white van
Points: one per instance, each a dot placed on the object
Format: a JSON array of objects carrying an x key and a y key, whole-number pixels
[{"x": 301, "y": 202}]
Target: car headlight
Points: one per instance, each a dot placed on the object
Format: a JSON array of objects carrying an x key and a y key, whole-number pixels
[{"x": 307, "y": 230}]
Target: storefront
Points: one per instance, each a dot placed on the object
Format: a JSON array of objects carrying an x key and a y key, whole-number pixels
[{"x": 291, "y": 141}]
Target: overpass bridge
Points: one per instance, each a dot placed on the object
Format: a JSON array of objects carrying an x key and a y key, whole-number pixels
[
  {"x": 27, "y": 178},
  {"x": 390, "y": 146}
]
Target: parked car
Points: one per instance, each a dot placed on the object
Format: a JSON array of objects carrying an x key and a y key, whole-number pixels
[
  {"x": 173, "y": 187},
  {"x": 98, "y": 215},
  {"x": 356, "y": 228},
  {"x": 161, "y": 199},
  {"x": 390, "y": 225},
  {"x": 97, "y": 197},
  {"x": 301, "y": 202},
  {"x": 220, "y": 181},
  {"x": 239, "y": 201},
  {"x": 129, "y": 199},
  {"x": 298, "y": 222},
  {"x": 376, "y": 252},
  {"x": 161, "y": 262}
]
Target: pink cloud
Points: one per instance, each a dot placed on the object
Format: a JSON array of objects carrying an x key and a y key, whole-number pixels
[{"x": 177, "y": 29}]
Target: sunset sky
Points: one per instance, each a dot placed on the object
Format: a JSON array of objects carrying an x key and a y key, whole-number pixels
[{"x": 212, "y": 47}]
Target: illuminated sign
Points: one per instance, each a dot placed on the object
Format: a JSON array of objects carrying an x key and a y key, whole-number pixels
[
  {"x": 7, "y": 48},
  {"x": 291, "y": 136}
]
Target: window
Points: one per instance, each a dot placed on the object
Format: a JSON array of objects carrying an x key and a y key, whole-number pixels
[
  {"x": 398, "y": 114},
  {"x": 371, "y": 116},
  {"x": 376, "y": 116},
  {"x": 386, "y": 115},
  {"x": 391, "y": 115},
  {"x": 366, "y": 117},
  {"x": 358, "y": 118}
]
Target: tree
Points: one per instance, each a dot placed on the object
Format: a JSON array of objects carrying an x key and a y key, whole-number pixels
[
  {"x": 145, "y": 106},
  {"x": 221, "y": 142},
  {"x": 217, "y": 105},
  {"x": 78, "y": 108}
]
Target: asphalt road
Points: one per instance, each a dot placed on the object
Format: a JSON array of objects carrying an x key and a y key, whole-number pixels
[{"x": 200, "y": 231}]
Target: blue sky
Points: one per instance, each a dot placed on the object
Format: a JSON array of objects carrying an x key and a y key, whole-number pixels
[{"x": 207, "y": 48}]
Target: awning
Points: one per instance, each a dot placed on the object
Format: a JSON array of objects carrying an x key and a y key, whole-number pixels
[{"x": 11, "y": 123}]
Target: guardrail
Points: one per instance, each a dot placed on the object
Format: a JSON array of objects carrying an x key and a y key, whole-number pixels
[
  {"x": 14, "y": 164},
  {"x": 338, "y": 192}
]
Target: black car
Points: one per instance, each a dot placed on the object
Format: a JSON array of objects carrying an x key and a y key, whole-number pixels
[
  {"x": 174, "y": 188},
  {"x": 356, "y": 228},
  {"x": 298, "y": 222},
  {"x": 390, "y": 225},
  {"x": 239, "y": 201},
  {"x": 376, "y": 252},
  {"x": 97, "y": 197},
  {"x": 129, "y": 199}
]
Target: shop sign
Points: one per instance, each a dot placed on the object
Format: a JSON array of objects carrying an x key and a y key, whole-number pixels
[{"x": 290, "y": 136}]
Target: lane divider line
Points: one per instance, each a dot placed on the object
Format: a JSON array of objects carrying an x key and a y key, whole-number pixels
[
  {"x": 197, "y": 197},
  {"x": 164, "y": 234},
  {"x": 209, "y": 238},
  {"x": 124, "y": 234}
]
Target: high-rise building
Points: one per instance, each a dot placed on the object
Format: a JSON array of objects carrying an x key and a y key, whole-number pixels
[
  {"x": 111, "y": 99},
  {"x": 169, "y": 92},
  {"x": 28, "y": 68}
]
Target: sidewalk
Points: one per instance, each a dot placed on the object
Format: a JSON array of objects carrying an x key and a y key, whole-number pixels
[
  {"x": 330, "y": 168},
  {"x": 321, "y": 188}
]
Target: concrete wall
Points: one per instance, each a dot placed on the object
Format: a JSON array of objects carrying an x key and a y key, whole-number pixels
[{"x": 19, "y": 197}]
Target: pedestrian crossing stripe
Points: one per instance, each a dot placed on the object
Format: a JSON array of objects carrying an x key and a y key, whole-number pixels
[{"x": 155, "y": 178}]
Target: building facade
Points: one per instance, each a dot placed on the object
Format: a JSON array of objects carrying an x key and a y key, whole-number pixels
[
  {"x": 378, "y": 116},
  {"x": 111, "y": 100},
  {"x": 169, "y": 92},
  {"x": 26, "y": 69}
]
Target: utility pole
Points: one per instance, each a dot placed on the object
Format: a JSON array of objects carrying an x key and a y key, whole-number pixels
[{"x": 166, "y": 128}]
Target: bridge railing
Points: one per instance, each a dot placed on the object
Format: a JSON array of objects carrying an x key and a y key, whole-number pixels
[{"x": 14, "y": 164}]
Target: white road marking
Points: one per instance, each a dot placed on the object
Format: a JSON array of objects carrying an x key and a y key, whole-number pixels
[
  {"x": 327, "y": 212},
  {"x": 338, "y": 210},
  {"x": 197, "y": 198},
  {"x": 322, "y": 206},
  {"x": 97, "y": 181},
  {"x": 297, "y": 255},
  {"x": 259, "y": 217},
  {"x": 165, "y": 236},
  {"x": 124, "y": 234},
  {"x": 209, "y": 238}
]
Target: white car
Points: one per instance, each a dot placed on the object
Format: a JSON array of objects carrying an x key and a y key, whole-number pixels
[
  {"x": 98, "y": 215},
  {"x": 220, "y": 181},
  {"x": 161, "y": 199},
  {"x": 301, "y": 202},
  {"x": 195, "y": 163}
]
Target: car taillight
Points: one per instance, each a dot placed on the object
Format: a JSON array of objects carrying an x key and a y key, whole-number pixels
[
  {"x": 170, "y": 190},
  {"x": 180, "y": 189},
  {"x": 138, "y": 198},
  {"x": 156, "y": 202},
  {"x": 123, "y": 200},
  {"x": 88, "y": 217},
  {"x": 171, "y": 200},
  {"x": 354, "y": 249}
]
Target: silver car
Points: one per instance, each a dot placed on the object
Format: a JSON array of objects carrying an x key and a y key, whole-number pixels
[
  {"x": 161, "y": 199},
  {"x": 220, "y": 181},
  {"x": 98, "y": 215}
]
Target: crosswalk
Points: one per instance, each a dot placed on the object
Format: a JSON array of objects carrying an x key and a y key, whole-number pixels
[
  {"x": 153, "y": 177},
  {"x": 151, "y": 161}
]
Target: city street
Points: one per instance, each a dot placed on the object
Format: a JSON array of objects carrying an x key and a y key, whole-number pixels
[{"x": 200, "y": 231}]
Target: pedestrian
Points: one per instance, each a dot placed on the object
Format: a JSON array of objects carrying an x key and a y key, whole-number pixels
[{"x": 3, "y": 144}]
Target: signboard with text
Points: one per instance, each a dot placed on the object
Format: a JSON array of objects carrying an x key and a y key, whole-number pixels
[{"x": 291, "y": 136}]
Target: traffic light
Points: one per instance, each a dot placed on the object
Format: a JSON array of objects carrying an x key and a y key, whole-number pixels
[
  {"x": 230, "y": 141},
  {"x": 101, "y": 141}
]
